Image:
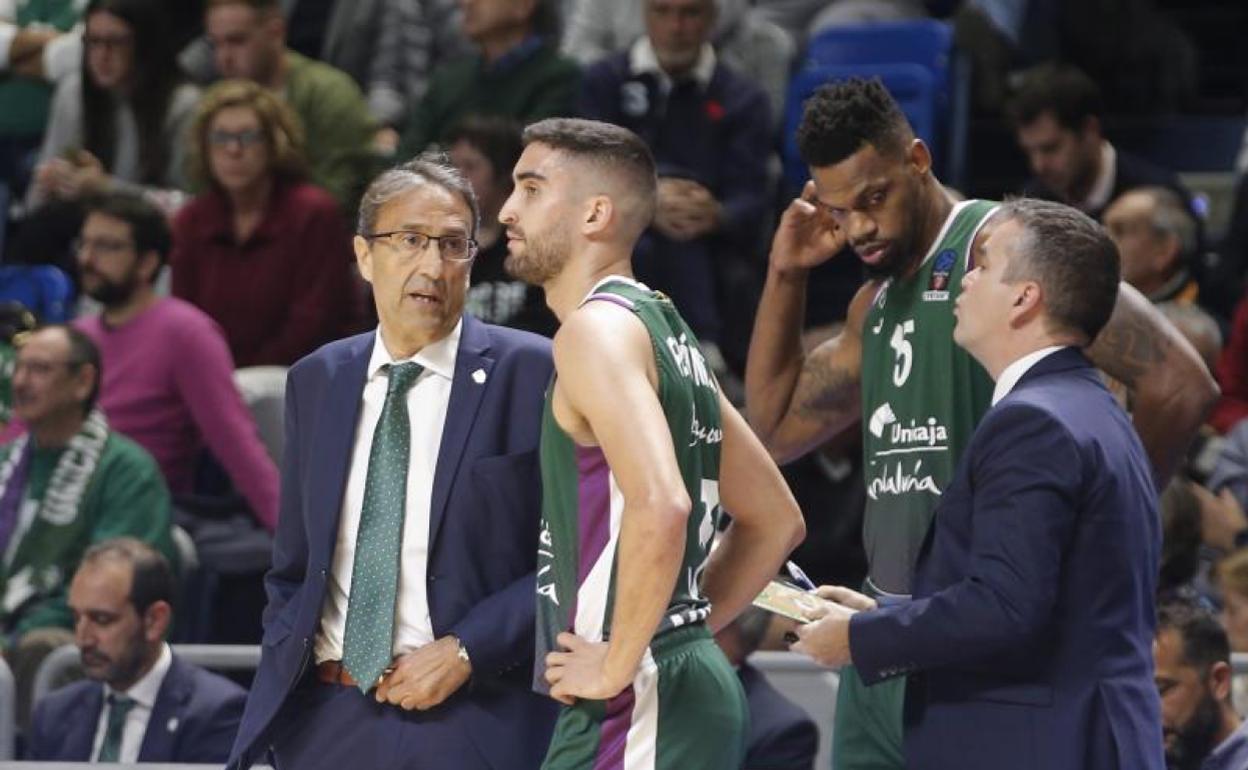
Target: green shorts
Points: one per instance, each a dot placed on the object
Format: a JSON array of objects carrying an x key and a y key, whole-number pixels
[
  {"x": 685, "y": 709},
  {"x": 866, "y": 734}
]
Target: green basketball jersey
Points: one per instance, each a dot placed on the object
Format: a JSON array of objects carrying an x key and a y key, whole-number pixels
[
  {"x": 922, "y": 397},
  {"x": 582, "y": 505}
]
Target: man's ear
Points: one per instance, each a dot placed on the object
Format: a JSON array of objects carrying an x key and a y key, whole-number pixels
[
  {"x": 599, "y": 212},
  {"x": 1219, "y": 681},
  {"x": 363, "y": 257},
  {"x": 919, "y": 155},
  {"x": 156, "y": 621},
  {"x": 1028, "y": 301},
  {"x": 149, "y": 265}
]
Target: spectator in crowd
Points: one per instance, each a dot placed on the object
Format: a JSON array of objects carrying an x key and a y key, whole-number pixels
[
  {"x": 168, "y": 377},
  {"x": 745, "y": 40},
  {"x": 248, "y": 39},
  {"x": 710, "y": 131},
  {"x": 1156, "y": 235},
  {"x": 782, "y": 736},
  {"x": 515, "y": 71},
  {"x": 485, "y": 149},
  {"x": 1232, "y": 373},
  {"x": 432, "y": 420},
  {"x": 1057, "y": 117},
  {"x": 141, "y": 703},
  {"x": 70, "y": 481},
  {"x": 40, "y": 45},
  {"x": 1192, "y": 660},
  {"x": 390, "y": 47},
  {"x": 1181, "y": 538},
  {"x": 265, "y": 254},
  {"x": 120, "y": 122}
]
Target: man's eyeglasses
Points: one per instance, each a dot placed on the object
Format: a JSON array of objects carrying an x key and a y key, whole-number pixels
[
  {"x": 100, "y": 245},
  {"x": 409, "y": 243},
  {"x": 243, "y": 139}
]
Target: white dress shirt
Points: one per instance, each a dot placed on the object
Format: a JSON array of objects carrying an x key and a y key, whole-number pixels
[
  {"x": 143, "y": 693},
  {"x": 1015, "y": 371},
  {"x": 1103, "y": 187},
  {"x": 426, "y": 408}
]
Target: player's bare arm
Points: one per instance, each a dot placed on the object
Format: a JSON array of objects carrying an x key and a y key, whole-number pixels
[
  {"x": 1170, "y": 388},
  {"x": 605, "y": 395},
  {"x": 766, "y": 521}
]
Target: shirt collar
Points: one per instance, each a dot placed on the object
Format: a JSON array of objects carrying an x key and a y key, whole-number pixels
[
  {"x": 1103, "y": 187},
  {"x": 437, "y": 357},
  {"x": 642, "y": 60},
  {"x": 1015, "y": 371},
  {"x": 1235, "y": 747},
  {"x": 144, "y": 691}
]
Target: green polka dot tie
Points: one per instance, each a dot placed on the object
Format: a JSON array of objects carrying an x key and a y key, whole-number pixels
[
  {"x": 118, "y": 709},
  {"x": 369, "y": 637}
]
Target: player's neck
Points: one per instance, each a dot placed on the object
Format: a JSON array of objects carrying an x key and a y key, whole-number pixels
[
  {"x": 566, "y": 291},
  {"x": 935, "y": 208}
]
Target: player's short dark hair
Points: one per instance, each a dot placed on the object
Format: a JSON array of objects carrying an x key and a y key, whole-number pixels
[
  {"x": 1204, "y": 639},
  {"x": 148, "y": 225},
  {"x": 843, "y": 117},
  {"x": 152, "y": 578},
  {"x": 1071, "y": 257},
  {"x": 1061, "y": 89},
  {"x": 610, "y": 148}
]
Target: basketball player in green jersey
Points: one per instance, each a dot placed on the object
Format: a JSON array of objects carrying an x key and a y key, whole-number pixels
[
  {"x": 894, "y": 365},
  {"x": 638, "y": 449}
]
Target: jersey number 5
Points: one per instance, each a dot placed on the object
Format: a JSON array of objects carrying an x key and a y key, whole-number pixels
[{"x": 905, "y": 352}]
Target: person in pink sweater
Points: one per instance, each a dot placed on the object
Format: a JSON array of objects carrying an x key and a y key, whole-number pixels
[{"x": 168, "y": 375}]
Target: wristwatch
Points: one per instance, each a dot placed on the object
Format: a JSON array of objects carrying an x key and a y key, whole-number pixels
[{"x": 462, "y": 652}]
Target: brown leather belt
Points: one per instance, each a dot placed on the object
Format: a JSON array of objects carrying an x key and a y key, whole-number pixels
[{"x": 333, "y": 672}]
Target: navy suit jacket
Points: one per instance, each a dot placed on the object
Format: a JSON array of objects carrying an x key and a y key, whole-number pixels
[
  {"x": 484, "y": 524},
  {"x": 782, "y": 735},
  {"x": 193, "y": 720},
  {"x": 1029, "y": 639}
]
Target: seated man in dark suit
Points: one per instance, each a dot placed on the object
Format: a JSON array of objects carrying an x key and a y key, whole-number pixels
[
  {"x": 782, "y": 735},
  {"x": 1028, "y": 643},
  {"x": 1057, "y": 118},
  {"x": 142, "y": 703}
]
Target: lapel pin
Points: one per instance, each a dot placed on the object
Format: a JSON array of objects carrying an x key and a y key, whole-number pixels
[
  {"x": 478, "y": 376},
  {"x": 172, "y": 726}
]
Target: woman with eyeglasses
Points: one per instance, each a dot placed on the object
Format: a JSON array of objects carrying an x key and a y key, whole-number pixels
[
  {"x": 265, "y": 253},
  {"x": 120, "y": 122}
]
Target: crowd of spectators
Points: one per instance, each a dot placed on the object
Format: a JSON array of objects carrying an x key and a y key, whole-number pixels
[{"x": 202, "y": 199}]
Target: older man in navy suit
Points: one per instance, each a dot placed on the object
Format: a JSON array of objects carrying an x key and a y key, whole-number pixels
[
  {"x": 142, "y": 703},
  {"x": 400, "y": 619},
  {"x": 1028, "y": 641}
]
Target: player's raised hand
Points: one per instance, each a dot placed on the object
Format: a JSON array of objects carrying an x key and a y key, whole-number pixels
[{"x": 807, "y": 236}]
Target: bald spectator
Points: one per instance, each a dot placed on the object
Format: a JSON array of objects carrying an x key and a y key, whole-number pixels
[
  {"x": 515, "y": 71},
  {"x": 248, "y": 38},
  {"x": 1157, "y": 239}
]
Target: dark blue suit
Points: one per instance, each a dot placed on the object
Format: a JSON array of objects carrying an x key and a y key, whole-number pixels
[
  {"x": 782, "y": 735},
  {"x": 484, "y": 524},
  {"x": 193, "y": 720},
  {"x": 1029, "y": 640}
]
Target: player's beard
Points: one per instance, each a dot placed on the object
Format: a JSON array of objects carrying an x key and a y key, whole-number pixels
[{"x": 544, "y": 256}]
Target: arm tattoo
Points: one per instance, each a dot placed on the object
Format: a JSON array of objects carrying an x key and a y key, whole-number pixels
[
  {"x": 1129, "y": 350},
  {"x": 824, "y": 388}
]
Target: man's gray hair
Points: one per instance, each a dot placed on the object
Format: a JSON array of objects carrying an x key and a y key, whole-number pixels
[
  {"x": 429, "y": 168},
  {"x": 1171, "y": 216}
]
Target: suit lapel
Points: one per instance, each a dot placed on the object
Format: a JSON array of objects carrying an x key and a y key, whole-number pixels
[
  {"x": 83, "y": 720},
  {"x": 160, "y": 740},
  {"x": 332, "y": 442},
  {"x": 472, "y": 369}
]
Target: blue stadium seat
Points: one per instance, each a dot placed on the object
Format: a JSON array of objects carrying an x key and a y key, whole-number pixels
[
  {"x": 917, "y": 64},
  {"x": 44, "y": 290}
]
